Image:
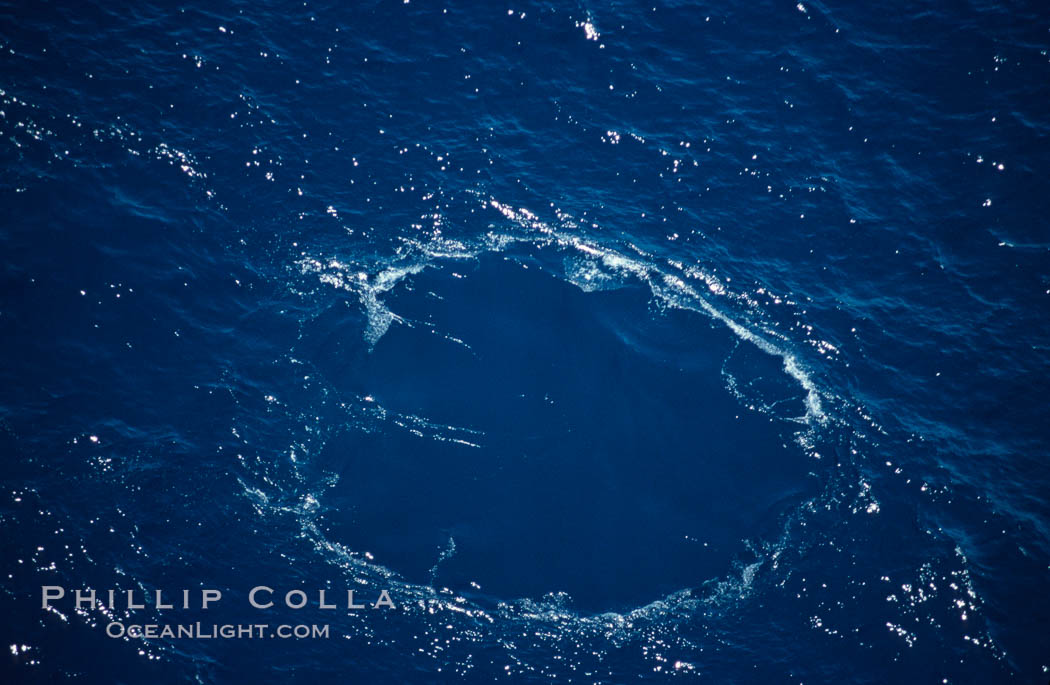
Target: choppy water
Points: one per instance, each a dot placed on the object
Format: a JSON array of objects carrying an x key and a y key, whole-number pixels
[{"x": 620, "y": 342}]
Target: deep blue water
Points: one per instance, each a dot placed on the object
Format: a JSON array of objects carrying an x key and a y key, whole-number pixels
[{"x": 620, "y": 342}]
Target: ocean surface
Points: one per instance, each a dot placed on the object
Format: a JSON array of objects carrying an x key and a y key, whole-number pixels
[{"x": 618, "y": 342}]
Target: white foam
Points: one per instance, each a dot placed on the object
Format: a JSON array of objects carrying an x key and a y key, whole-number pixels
[
  {"x": 589, "y": 273},
  {"x": 367, "y": 288},
  {"x": 676, "y": 292}
]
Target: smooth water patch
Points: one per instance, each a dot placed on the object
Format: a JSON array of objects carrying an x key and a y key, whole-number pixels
[{"x": 537, "y": 438}]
